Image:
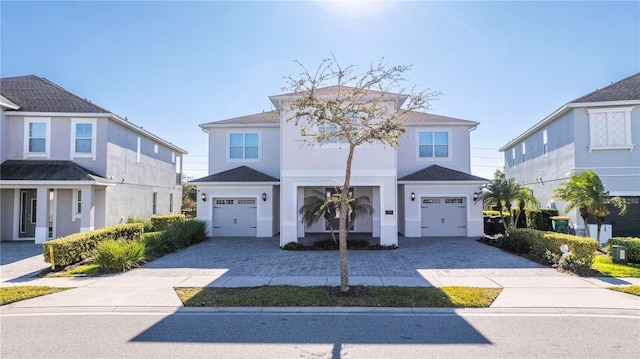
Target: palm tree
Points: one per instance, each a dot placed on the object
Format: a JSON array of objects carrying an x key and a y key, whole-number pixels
[
  {"x": 501, "y": 192},
  {"x": 319, "y": 206},
  {"x": 574, "y": 192},
  {"x": 525, "y": 199},
  {"x": 586, "y": 192},
  {"x": 359, "y": 207}
]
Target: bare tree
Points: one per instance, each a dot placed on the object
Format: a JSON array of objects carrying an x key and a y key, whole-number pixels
[{"x": 362, "y": 108}]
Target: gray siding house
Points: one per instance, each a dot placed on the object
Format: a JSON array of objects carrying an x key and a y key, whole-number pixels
[
  {"x": 70, "y": 166},
  {"x": 599, "y": 131}
]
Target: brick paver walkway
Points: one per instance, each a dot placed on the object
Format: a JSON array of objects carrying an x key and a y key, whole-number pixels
[{"x": 246, "y": 257}]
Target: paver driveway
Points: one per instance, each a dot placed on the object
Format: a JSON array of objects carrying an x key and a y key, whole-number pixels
[{"x": 246, "y": 257}]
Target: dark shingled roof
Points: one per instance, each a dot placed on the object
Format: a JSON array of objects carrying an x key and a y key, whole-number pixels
[
  {"x": 239, "y": 174},
  {"x": 45, "y": 170},
  {"x": 438, "y": 173},
  {"x": 258, "y": 118},
  {"x": 36, "y": 94},
  {"x": 623, "y": 90},
  {"x": 423, "y": 117}
]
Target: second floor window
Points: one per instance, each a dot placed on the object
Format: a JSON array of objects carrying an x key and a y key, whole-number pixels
[
  {"x": 37, "y": 137},
  {"x": 84, "y": 137},
  {"x": 244, "y": 146},
  {"x": 433, "y": 144}
]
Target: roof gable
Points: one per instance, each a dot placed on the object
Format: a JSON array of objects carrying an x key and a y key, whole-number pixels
[
  {"x": 238, "y": 174},
  {"x": 36, "y": 94},
  {"x": 439, "y": 173},
  {"x": 46, "y": 170}
]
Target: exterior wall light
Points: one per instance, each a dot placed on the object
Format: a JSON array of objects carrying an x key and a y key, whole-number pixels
[
  {"x": 204, "y": 197},
  {"x": 413, "y": 196},
  {"x": 264, "y": 197}
]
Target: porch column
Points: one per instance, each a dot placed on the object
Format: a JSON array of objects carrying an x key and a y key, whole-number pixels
[
  {"x": 288, "y": 211},
  {"x": 42, "y": 206},
  {"x": 88, "y": 206}
]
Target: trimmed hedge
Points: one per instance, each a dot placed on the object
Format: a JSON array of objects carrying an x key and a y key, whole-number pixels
[
  {"x": 80, "y": 246},
  {"x": 180, "y": 234},
  {"x": 632, "y": 246},
  {"x": 581, "y": 248},
  {"x": 539, "y": 219},
  {"x": 160, "y": 223}
]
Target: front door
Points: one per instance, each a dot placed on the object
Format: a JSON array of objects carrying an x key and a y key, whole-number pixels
[{"x": 28, "y": 209}]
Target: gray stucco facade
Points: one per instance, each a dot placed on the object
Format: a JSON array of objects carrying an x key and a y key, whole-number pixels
[
  {"x": 601, "y": 135},
  {"x": 127, "y": 170}
]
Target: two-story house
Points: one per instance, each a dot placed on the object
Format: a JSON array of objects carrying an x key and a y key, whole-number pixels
[
  {"x": 70, "y": 166},
  {"x": 261, "y": 172},
  {"x": 599, "y": 131}
]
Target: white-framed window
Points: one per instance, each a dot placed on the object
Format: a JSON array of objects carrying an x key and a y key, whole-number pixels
[
  {"x": 77, "y": 203},
  {"x": 610, "y": 129},
  {"x": 513, "y": 156},
  {"x": 524, "y": 151},
  {"x": 433, "y": 144},
  {"x": 154, "y": 206},
  {"x": 37, "y": 137},
  {"x": 138, "y": 150},
  {"x": 545, "y": 144},
  {"x": 173, "y": 158},
  {"x": 155, "y": 148},
  {"x": 83, "y": 135},
  {"x": 329, "y": 129},
  {"x": 244, "y": 146}
]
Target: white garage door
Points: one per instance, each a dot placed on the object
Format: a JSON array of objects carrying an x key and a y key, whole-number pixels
[
  {"x": 234, "y": 217},
  {"x": 444, "y": 217}
]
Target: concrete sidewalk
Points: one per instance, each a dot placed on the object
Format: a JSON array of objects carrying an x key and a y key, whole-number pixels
[{"x": 153, "y": 292}]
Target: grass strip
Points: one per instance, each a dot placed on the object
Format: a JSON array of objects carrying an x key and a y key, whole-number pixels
[
  {"x": 630, "y": 289},
  {"x": 606, "y": 266},
  {"x": 86, "y": 270},
  {"x": 18, "y": 293},
  {"x": 321, "y": 296}
]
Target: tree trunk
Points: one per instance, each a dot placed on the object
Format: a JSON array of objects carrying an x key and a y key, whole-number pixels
[
  {"x": 599, "y": 221},
  {"x": 344, "y": 213},
  {"x": 584, "y": 213}
]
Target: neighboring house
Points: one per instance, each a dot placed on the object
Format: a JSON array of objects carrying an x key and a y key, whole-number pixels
[
  {"x": 261, "y": 172},
  {"x": 600, "y": 132},
  {"x": 70, "y": 166}
]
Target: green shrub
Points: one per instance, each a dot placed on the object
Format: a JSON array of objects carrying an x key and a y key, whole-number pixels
[
  {"x": 156, "y": 244},
  {"x": 146, "y": 223},
  {"x": 160, "y": 223},
  {"x": 538, "y": 219},
  {"x": 80, "y": 246},
  {"x": 520, "y": 240},
  {"x": 496, "y": 214},
  {"x": 180, "y": 234},
  {"x": 292, "y": 246},
  {"x": 582, "y": 249},
  {"x": 119, "y": 255},
  {"x": 632, "y": 247}
]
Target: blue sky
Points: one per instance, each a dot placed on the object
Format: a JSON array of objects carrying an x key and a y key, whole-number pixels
[{"x": 170, "y": 66}]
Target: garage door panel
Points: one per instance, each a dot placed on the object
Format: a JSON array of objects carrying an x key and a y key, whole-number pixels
[
  {"x": 235, "y": 217},
  {"x": 442, "y": 217}
]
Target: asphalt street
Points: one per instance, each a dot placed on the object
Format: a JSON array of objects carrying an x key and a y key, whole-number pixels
[{"x": 206, "y": 333}]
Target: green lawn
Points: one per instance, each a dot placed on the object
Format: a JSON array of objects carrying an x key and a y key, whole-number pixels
[
  {"x": 88, "y": 270},
  {"x": 17, "y": 293},
  {"x": 321, "y": 296},
  {"x": 631, "y": 289},
  {"x": 606, "y": 266}
]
